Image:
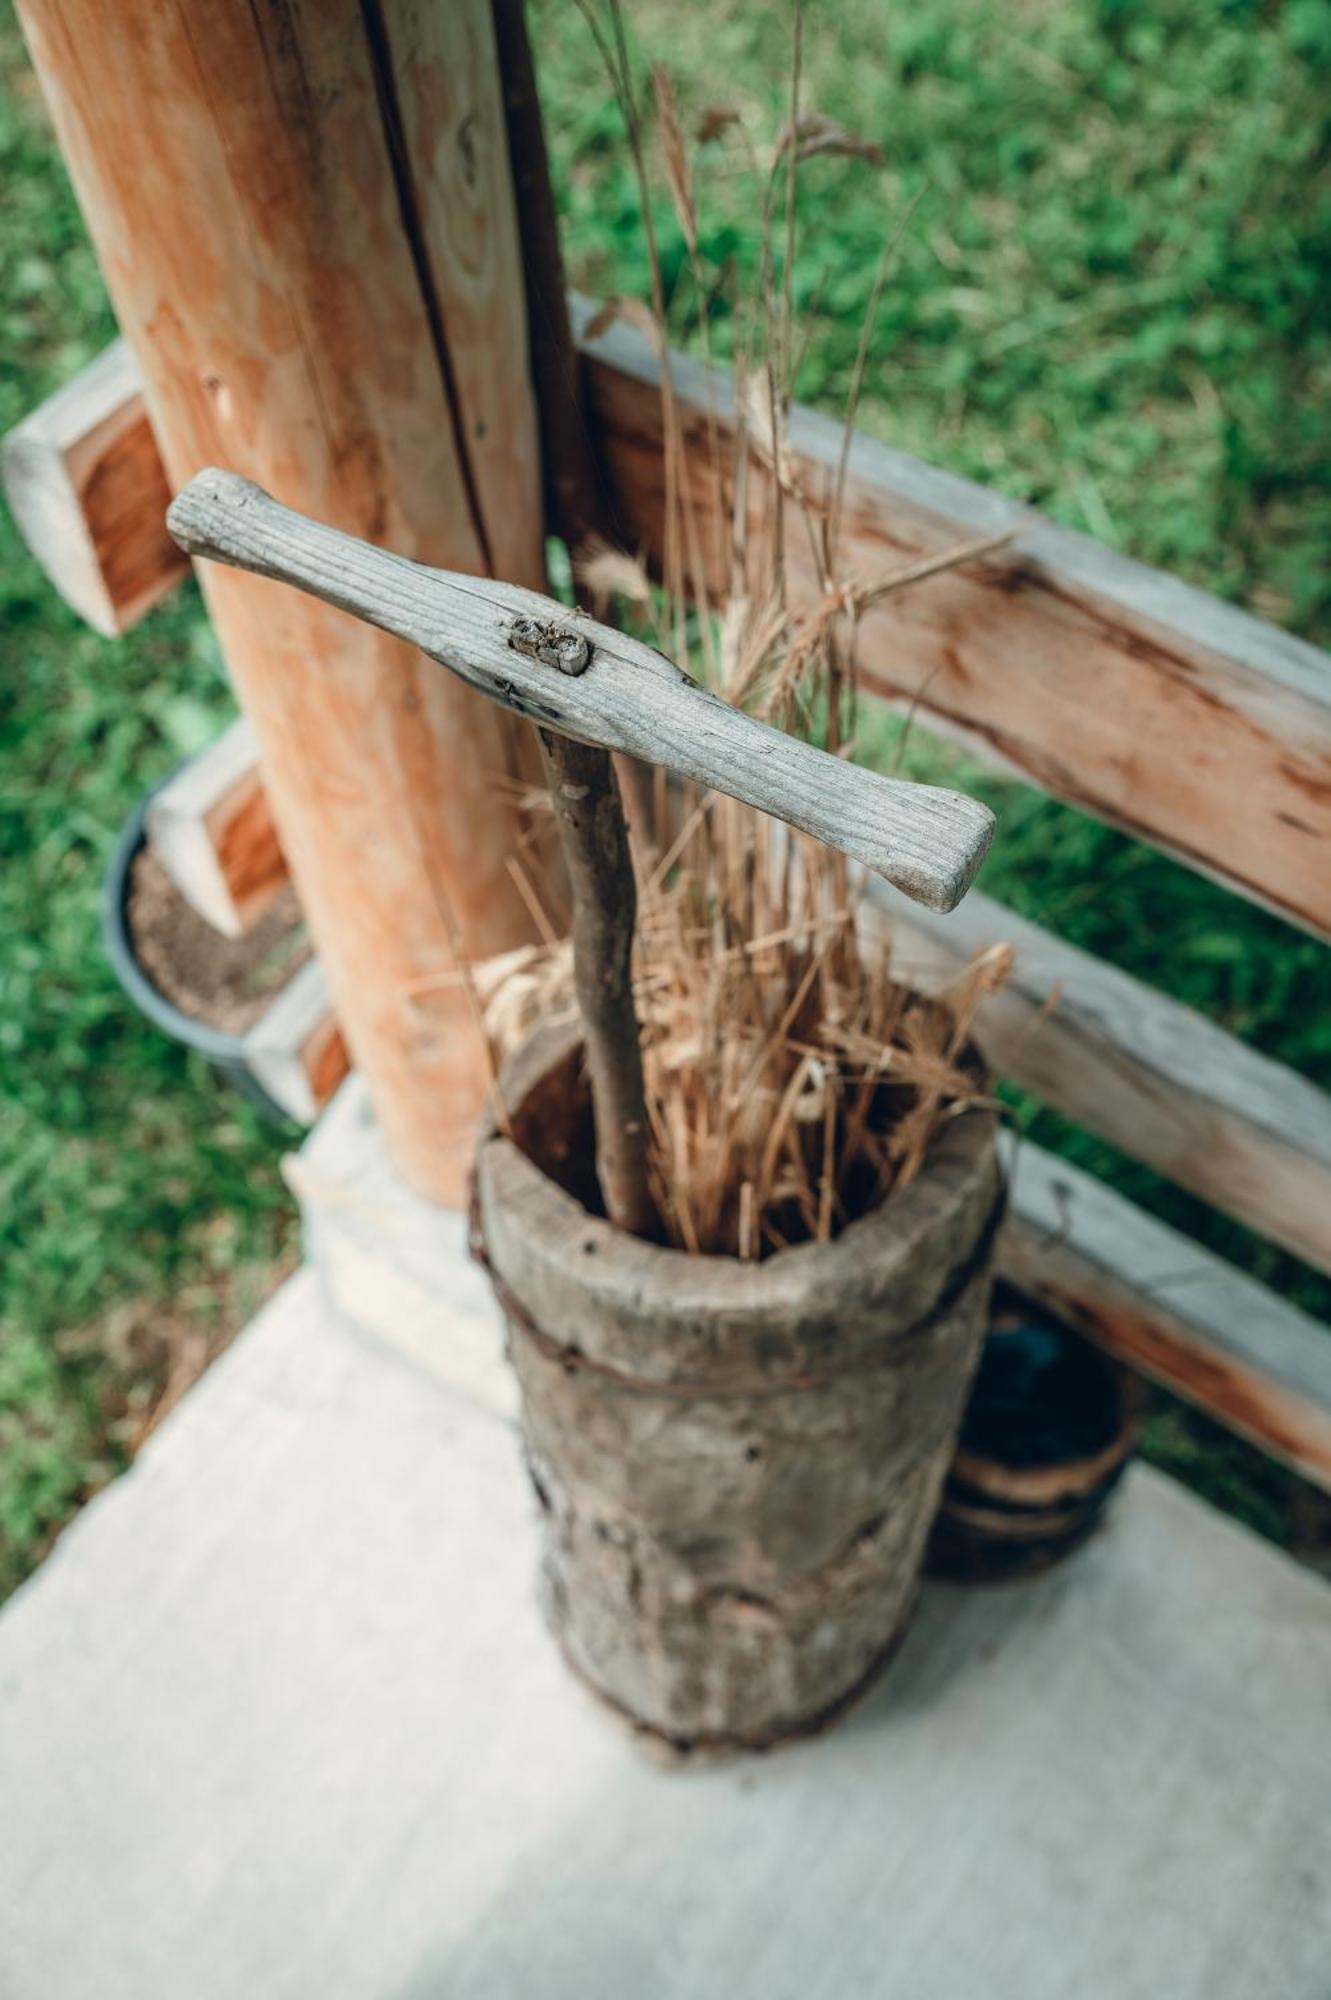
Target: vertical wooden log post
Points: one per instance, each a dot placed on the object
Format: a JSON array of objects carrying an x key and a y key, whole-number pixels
[{"x": 305, "y": 214}]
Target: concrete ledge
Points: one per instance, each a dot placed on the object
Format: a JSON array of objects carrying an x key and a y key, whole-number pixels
[{"x": 390, "y": 1263}]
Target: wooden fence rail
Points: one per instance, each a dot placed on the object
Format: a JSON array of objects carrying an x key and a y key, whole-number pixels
[
  {"x": 1154, "y": 1078},
  {"x": 212, "y": 829},
  {"x": 1165, "y": 1306},
  {"x": 1108, "y": 684},
  {"x": 85, "y": 482}
]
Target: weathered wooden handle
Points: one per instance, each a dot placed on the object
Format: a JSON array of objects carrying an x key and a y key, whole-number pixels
[{"x": 566, "y": 672}]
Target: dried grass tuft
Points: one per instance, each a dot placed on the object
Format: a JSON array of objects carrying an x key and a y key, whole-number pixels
[
  {"x": 791, "y": 1081},
  {"x": 606, "y": 573}
]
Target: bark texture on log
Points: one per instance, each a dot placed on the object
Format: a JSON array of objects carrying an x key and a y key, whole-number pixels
[{"x": 738, "y": 1463}]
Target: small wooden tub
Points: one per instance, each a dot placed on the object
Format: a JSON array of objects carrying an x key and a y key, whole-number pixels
[{"x": 1047, "y": 1435}]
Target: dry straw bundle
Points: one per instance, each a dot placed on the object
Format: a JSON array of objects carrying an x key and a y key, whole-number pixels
[{"x": 791, "y": 1083}]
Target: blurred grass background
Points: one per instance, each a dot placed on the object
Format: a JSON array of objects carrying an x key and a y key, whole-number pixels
[{"x": 1113, "y": 299}]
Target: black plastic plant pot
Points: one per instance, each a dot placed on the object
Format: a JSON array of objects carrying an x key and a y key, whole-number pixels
[{"x": 225, "y": 1053}]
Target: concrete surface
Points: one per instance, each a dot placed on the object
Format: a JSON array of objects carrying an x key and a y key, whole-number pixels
[{"x": 278, "y": 1718}]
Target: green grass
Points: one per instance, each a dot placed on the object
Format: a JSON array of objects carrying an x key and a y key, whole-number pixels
[{"x": 1112, "y": 300}]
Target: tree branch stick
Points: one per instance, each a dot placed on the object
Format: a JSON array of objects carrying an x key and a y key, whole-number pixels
[
  {"x": 583, "y": 781},
  {"x": 596, "y": 850}
]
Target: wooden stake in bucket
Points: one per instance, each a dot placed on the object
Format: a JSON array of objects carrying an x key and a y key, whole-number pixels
[{"x": 739, "y": 1461}]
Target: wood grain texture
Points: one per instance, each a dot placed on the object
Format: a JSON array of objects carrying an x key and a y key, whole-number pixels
[
  {"x": 616, "y": 692},
  {"x": 737, "y": 1463},
  {"x": 296, "y": 1049},
  {"x": 1148, "y": 1074},
  {"x": 1110, "y": 685},
  {"x": 212, "y": 829},
  {"x": 88, "y": 492},
  {"x": 1160, "y": 1302},
  {"x": 305, "y": 220}
]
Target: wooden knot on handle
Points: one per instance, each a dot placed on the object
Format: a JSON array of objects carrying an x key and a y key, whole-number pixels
[{"x": 541, "y": 639}]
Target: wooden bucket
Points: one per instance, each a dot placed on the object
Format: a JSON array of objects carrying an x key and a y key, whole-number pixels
[
  {"x": 1046, "y": 1438},
  {"x": 737, "y": 1463}
]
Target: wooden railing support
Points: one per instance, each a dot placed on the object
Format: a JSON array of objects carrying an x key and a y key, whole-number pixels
[{"x": 305, "y": 218}]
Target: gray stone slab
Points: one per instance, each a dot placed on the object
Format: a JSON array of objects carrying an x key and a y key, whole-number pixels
[{"x": 278, "y": 1718}]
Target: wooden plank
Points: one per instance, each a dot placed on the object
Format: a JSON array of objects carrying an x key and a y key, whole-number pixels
[
  {"x": 1151, "y": 705},
  {"x": 88, "y": 492},
  {"x": 1164, "y": 1305},
  {"x": 1148, "y": 1074},
  {"x": 295, "y": 1048},
  {"x": 1143, "y": 1291},
  {"x": 211, "y": 827},
  {"x": 304, "y": 214}
]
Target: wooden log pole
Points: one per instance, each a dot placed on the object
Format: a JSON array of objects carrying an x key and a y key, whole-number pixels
[{"x": 305, "y": 217}]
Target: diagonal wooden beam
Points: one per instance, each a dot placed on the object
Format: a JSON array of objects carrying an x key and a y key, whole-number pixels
[
  {"x": 1153, "y": 1077},
  {"x": 568, "y": 673}
]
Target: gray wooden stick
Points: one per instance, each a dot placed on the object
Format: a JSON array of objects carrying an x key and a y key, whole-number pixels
[
  {"x": 566, "y": 672},
  {"x": 585, "y": 794}
]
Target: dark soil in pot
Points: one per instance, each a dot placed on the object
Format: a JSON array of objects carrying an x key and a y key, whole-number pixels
[
  {"x": 737, "y": 1463},
  {"x": 203, "y": 990},
  {"x": 226, "y": 983}
]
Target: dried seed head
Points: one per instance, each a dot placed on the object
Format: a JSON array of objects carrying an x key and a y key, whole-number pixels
[
  {"x": 674, "y": 157},
  {"x": 714, "y": 120},
  {"x": 605, "y": 573},
  {"x": 815, "y": 134}
]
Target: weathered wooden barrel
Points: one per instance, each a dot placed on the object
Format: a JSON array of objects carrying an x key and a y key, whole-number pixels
[{"x": 737, "y": 1463}]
